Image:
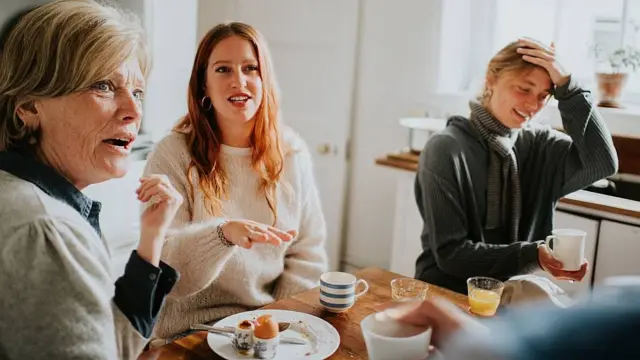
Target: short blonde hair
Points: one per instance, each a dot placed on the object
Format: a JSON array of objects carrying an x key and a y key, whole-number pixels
[
  {"x": 60, "y": 48},
  {"x": 506, "y": 61}
]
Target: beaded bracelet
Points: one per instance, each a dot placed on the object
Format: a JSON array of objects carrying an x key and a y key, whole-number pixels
[{"x": 221, "y": 236}]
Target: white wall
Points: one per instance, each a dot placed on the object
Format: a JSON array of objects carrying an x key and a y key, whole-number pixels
[
  {"x": 454, "y": 53},
  {"x": 211, "y": 13},
  {"x": 171, "y": 27},
  {"x": 397, "y": 69},
  {"x": 9, "y": 8}
]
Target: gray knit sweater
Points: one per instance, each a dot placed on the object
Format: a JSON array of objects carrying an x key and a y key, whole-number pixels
[
  {"x": 451, "y": 187},
  {"x": 55, "y": 285}
]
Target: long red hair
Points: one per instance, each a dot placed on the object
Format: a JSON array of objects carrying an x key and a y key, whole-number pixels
[{"x": 204, "y": 135}]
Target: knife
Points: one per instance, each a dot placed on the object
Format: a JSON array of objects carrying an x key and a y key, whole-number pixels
[{"x": 230, "y": 331}]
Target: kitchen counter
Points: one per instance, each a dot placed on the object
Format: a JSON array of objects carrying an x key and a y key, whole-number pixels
[{"x": 596, "y": 204}]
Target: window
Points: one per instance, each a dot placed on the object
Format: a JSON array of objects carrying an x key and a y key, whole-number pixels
[
  {"x": 577, "y": 27},
  {"x": 631, "y": 35}
]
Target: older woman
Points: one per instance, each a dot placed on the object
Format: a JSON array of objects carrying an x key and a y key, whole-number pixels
[
  {"x": 488, "y": 184},
  {"x": 71, "y": 87},
  {"x": 257, "y": 230}
]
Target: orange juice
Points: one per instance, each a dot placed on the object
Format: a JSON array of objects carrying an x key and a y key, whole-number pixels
[{"x": 484, "y": 302}]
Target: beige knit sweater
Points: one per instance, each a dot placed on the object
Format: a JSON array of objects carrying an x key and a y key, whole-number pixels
[{"x": 217, "y": 281}]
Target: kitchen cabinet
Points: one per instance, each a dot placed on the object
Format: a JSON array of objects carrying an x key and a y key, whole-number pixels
[
  {"x": 407, "y": 227},
  {"x": 618, "y": 250}
]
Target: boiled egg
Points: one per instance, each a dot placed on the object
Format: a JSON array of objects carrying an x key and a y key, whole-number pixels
[{"x": 266, "y": 327}]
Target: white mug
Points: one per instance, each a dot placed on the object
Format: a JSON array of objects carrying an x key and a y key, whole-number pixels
[
  {"x": 568, "y": 247},
  {"x": 391, "y": 340},
  {"x": 338, "y": 290}
]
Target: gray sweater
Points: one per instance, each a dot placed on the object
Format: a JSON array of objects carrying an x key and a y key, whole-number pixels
[
  {"x": 451, "y": 187},
  {"x": 57, "y": 298}
]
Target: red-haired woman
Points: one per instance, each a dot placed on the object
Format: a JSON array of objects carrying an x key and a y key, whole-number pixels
[{"x": 251, "y": 229}]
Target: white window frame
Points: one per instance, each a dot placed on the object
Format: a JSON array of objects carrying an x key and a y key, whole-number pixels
[
  {"x": 480, "y": 19},
  {"x": 632, "y": 97}
]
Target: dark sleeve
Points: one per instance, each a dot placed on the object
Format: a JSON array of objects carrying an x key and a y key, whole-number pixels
[
  {"x": 141, "y": 290},
  {"x": 587, "y": 154},
  {"x": 588, "y": 331},
  {"x": 442, "y": 204}
]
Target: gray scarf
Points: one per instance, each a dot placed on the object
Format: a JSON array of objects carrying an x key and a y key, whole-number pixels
[{"x": 503, "y": 182}]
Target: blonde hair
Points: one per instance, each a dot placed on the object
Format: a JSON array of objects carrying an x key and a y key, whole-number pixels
[
  {"x": 506, "y": 61},
  {"x": 204, "y": 134},
  {"x": 60, "y": 48}
]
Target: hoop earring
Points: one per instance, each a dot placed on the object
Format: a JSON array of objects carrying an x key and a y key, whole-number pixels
[{"x": 203, "y": 101}]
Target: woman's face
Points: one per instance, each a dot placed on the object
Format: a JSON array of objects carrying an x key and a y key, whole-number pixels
[
  {"x": 234, "y": 83},
  {"x": 88, "y": 135},
  {"x": 517, "y": 97}
]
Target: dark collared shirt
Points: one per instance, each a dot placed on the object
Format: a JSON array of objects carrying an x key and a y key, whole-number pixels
[{"x": 141, "y": 290}]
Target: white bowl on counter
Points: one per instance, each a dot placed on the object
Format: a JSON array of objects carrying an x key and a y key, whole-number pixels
[{"x": 421, "y": 129}]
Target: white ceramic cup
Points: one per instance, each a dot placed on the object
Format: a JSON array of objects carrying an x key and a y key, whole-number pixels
[
  {"x": 568, "y": 247},
  {"x": 243, "y": 337},
  {"x": 391, "y": 340},
  {"x": 338, "y": 290},
  {"x": 265, "y": 348}
]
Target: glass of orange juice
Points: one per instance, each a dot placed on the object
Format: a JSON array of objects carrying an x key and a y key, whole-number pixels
[{"x": 484, "y": 295}]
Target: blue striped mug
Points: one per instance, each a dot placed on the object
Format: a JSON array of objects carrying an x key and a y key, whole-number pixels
[{"x": 338, "y": 290}]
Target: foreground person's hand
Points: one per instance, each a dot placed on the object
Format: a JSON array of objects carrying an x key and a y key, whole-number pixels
[{"x": 443, "y": 317}]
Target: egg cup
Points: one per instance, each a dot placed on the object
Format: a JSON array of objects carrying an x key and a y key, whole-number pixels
[
  {"x": 265, "y": 348},
  {"x": 243, "y": 337}
]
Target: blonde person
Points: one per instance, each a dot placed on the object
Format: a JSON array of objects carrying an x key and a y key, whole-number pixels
[
  {"x": 487, "y": 185},
  {"x": 71, "y": 87},
  {"x": 251, "y": 230}
]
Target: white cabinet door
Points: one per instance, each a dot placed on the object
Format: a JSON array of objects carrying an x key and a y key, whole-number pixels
[
  {"x": 618, "y": 250},
  {"x": 407, "y": 228},
  {"x": 563, "y": 220}
]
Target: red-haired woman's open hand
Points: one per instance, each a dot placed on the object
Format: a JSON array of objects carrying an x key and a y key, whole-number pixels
[{"x": 245, "y": 233}]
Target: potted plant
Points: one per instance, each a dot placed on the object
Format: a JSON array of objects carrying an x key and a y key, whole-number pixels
[{"x": 613, "y": 77}]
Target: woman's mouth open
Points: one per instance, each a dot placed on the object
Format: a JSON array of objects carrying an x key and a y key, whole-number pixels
[
  {"x": 121, "y": 145},
  {"x": 239, "y": 100},
  {"x": 522, "y": 115}
]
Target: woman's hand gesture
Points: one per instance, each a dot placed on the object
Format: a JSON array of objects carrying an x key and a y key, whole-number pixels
[{"x": 245, "y": 233}]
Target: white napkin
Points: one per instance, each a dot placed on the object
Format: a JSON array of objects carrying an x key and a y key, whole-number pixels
[{"x": 523, "y": 289}]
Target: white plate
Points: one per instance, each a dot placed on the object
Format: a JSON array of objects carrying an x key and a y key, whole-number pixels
[{"x": 327, "y": 343}]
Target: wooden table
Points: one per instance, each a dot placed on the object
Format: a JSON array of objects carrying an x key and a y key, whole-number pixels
[{"x": 352, "y": 345}]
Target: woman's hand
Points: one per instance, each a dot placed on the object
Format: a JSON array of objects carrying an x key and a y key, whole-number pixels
[
  {"x": 544, "y": 56},
  {"x": 554, "y": 266},
  {"x": 246, "y": 232},
  {"x": 158, "y": 216}
]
